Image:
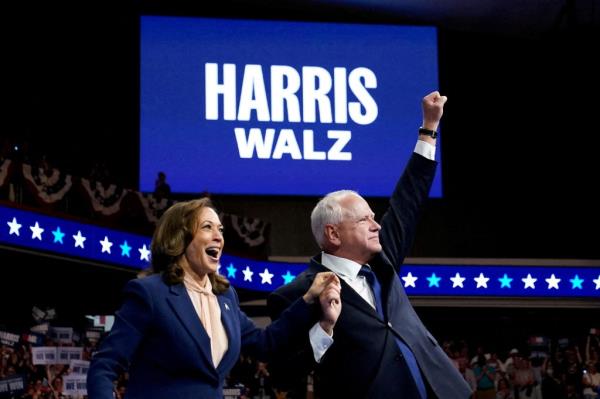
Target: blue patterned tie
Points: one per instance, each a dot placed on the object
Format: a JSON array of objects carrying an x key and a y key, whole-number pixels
[{"x": 409, "y": 357}]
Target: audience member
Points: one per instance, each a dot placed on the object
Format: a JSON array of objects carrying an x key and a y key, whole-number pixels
[{"x": 161, "y": 188}]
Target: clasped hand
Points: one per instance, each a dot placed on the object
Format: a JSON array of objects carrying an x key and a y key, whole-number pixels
[{"x": 326, "y": 286}]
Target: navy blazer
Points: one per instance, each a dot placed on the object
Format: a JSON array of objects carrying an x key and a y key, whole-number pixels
[
  {"x": 364, "y": 360},
  {"x": 158, "y": 337}
]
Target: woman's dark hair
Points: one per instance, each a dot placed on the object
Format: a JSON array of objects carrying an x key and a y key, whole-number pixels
[{"x": 174, "y": 232}]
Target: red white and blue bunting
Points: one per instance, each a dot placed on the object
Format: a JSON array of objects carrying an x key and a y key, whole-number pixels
[
  {"x": 109, "y": 204},
  {"x": 48, "y": 188}
]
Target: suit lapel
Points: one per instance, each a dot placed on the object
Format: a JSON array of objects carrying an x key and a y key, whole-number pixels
[
  {"x": 349, "y": 296},
  {"x": 390, "y": 282},
  {"x": 181, "y": 304}
]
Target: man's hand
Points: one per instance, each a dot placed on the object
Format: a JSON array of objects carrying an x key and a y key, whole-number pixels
[
  {"x": 433, "y": 108},
  {"x": 331, "y": 304}
]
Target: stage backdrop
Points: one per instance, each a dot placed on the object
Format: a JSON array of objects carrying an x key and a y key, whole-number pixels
[{"x": 281, "y": 108}]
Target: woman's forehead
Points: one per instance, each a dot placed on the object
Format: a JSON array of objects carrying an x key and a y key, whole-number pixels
[{"x": 208, "y": 214}]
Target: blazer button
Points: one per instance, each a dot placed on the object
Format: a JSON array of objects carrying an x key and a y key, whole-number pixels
[{"x": 390, "y": 324}]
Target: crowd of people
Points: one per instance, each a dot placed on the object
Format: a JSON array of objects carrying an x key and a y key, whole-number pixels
[{"x": 561, "y": 368}]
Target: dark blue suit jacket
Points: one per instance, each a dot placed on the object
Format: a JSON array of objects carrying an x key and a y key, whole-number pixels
[
  {"x": 158, "y": 337},
  {"x": 364, "y": 360}
]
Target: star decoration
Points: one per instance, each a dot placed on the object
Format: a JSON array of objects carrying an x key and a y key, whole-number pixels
[
  {"x": 576, "y": 282},
  {"x": 231, "y": 270},
  {"x": 529, "y": 281},
  {"x": 58, "y": 235},
  {"x": 79, "y": 239},
  {"x": 14, "y": 227},
  {"x": 247, "y": 274},
  {"x": 505, "y": 281},
  {"x": 552, "y": 282},
  {"x": 481, "y": 280},
  {"x": 457, "y": 281},
  {"x": 266, "y": 276},
  {"x": 409, "y": 280},
  {"x": 106, "y": 245},
  {"x": 288, "y": 277},
  {"x": 144, "y": 253},
  {"x": 36, "y": 231},
  {"x": 55, "y": 239},
  {"x": 434, "y": 281},
  {"x": 125, "y": 249}
]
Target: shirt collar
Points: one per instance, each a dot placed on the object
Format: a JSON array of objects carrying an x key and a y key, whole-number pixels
[{"x": 341, "y": 266}]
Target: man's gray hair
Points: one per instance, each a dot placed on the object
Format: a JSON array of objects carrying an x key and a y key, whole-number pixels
[{"x": 328, "y": 211}]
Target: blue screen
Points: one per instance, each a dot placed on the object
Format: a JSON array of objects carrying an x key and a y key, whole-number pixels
[{"x": 279, "y": 107}]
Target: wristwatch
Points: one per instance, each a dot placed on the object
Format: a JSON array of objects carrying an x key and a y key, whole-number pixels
[{"x": 432, "y": 133}]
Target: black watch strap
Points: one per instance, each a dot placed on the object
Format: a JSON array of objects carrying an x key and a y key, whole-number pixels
[{"x": 432, "y": 133}]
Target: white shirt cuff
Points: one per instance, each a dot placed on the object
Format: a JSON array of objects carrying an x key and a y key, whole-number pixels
[
  {"x": 425, "y": 149},
  {"x": 320, "y": 341}
]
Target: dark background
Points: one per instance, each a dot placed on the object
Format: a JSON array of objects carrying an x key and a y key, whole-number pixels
[
  {"x": 520, "y": 131},
  {"x": 520, "y": 134}
]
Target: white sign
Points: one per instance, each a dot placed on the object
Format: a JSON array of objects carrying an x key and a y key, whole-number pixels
[
  {"x": 43, "y": 355},
  {"x": 74, "y": 385},
  {"x": 65, "y": 355},
  {"x": 64, "y": 335},
  {"x": 79, "y": 367}
]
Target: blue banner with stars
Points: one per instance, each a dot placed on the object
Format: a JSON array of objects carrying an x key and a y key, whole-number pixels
[
  {"x": 39, "y": 232},
  {"x": 35, "y": 231}
]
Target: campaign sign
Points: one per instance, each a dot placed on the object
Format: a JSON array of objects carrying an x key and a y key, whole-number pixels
[
  {"x": 8, "y": 338},
  {"x": 74, "y": 385},
  {"x": 63, "y": 335},
  {"x": 44, "y": 355},
  {"x": 67, "y": 354},
  {"x": 80, "y": 367},
  {"x": 280, "y": 107},
  {"x": 12, "y": 387}
]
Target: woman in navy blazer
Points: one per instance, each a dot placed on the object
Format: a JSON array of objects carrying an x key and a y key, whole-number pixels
[{"x": 180, "y": 329}]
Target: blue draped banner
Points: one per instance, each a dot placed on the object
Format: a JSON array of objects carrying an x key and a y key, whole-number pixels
[{"x": 35, "y": 231}]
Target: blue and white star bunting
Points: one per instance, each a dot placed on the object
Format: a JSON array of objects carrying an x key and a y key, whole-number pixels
[
  {"x": 502, "y": 281},
  {"x": 94, "y": 243},
  {"x": 71, "y": 239}
]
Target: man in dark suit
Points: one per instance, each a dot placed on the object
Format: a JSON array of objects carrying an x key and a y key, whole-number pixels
[{"x": 380, "y": 348}]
